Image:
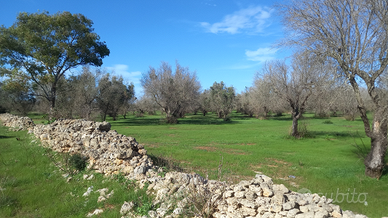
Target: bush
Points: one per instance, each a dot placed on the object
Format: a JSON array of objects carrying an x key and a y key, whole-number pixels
[
  {"x": 303, "y": 131},
  {"x": 166, "y": 163},
  {"x": 77, "y": 162}
]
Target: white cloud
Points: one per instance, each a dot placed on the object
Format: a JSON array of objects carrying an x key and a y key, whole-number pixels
[
  {"x": 122, "y": 69},
  {"x": 134, "y": 76},
  {"x": 261, "y": 54},
  {"x": 252, "y": 19}
]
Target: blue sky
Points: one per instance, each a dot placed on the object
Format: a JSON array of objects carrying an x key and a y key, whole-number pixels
[{"x": 221, "y": 40}]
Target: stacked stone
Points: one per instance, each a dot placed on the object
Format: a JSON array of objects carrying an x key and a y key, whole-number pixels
[
  {"x": 111, "y": 153},
  {"x": 176, "y": 192},
  {"x": 108, "y": 152},
  {"x": 261, "y": 198},
  {"x": 16, "y": 123},
  {"x": 258, "y": 197}
]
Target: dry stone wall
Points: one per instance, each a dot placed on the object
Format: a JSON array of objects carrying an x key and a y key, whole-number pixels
[
  {"x": 16, "y": 123},
  {"x": 175, "y": 192}
]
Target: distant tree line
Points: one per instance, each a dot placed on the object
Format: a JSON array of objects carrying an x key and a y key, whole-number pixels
[
  {"x": 88, "y": 95},
  {"x": 339, "y": 67}
]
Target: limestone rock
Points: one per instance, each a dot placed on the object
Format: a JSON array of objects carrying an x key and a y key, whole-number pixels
[{"x": 126, "y": 207}]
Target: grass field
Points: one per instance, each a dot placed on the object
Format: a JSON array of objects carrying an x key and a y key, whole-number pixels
[
  {"x": 325, "y": 161},
  {"x": 31, "y": 186}
]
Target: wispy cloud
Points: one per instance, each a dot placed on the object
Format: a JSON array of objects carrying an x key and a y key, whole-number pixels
[
  {"x": 122, "y": 69},
  {"x": 252, "y": 19},
  {"x": 261, "y": 54},
  {"x": 209, "y": 4},
  {"x": 134, "y": 76}
]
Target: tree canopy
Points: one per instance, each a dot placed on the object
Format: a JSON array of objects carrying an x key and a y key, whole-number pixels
[
  {"x": 46, "y": 46},
  {"x": 354, "y": 34},
  {"x": 174, "y": 92}
]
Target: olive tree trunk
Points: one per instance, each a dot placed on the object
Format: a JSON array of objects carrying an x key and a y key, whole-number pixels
[{"x": 374, "y": 162}]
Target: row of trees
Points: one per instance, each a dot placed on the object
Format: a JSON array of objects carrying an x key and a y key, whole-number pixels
[
  {"x": 308, "y": 84},
  {"x": 339, "y": 46},
  {"x": 87, "y": 95}
]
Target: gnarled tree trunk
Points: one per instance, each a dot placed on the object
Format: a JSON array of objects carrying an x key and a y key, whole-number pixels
[
  {"x": 374, "y": 162},
  {"x": 295, "y": 118}
]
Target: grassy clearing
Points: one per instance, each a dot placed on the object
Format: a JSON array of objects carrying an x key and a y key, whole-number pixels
[
  {"x": 31, "y": 186},
  {"x": 325, "y": 161}
]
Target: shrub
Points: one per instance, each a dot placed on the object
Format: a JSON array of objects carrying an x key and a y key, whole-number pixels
[{"x": 77, "y": 162}]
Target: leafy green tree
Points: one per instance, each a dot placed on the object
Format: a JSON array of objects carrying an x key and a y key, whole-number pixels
[
  {"x": 129, "y": 100},
  {"x": 222, "y": 99},
  {"x": 46, "y": 46},
  {"x": 112, "y": 95},
  {"x": 17, "y": 94}
]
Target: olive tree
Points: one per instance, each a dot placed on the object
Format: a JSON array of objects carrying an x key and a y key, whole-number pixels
[
  {"x": 47, "y": 46},
  {"x": 174, "y": 92},
  {"x": 354, "y": 34},
  {"x": 84, "y": 92},
  {"x": 204, "y": 102},
  {"x": 112, "y": 94},
  {"x": 263, "y": 98},
  {"x": 222, "y": 99},
  {"x": 145, "y": 105},
  {"x": 295, "y": 84}
]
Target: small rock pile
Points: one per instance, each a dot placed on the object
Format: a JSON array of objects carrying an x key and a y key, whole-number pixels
[{"x": 112, "y": 153}]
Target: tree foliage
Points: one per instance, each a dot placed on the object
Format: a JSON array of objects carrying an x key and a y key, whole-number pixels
[
  {"x": 17, "y": 93},
  {"x": 46, "y": 46},
  {"x": 112, "y": 95},
  {"x": 295, "y": 84},
  {"x": 174, "y": 92},
  {"x": 222, "y": 99}
]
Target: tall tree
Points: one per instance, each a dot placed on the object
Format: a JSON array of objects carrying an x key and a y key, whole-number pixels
[
  {"x": 354, "y": 33},
  {"x": 173, "y": 92},
  {"x": 46, "y": 46}
]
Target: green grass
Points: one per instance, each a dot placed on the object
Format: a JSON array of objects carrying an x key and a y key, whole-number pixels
[
  {"x": 324, "y": 162},
  {"x": 31, "y": 186}
]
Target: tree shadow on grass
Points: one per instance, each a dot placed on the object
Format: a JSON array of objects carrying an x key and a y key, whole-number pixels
[
  {"x": 281, "y": 118},
  {"x": 6, "y": 137},
  {"x": 161, "y": 121},
  {"x": 191, "y": 119},
  {"x": 333, "y": 134},
  {"x": 385, "y": 171},
  {"x": 137, "y": 122}
]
